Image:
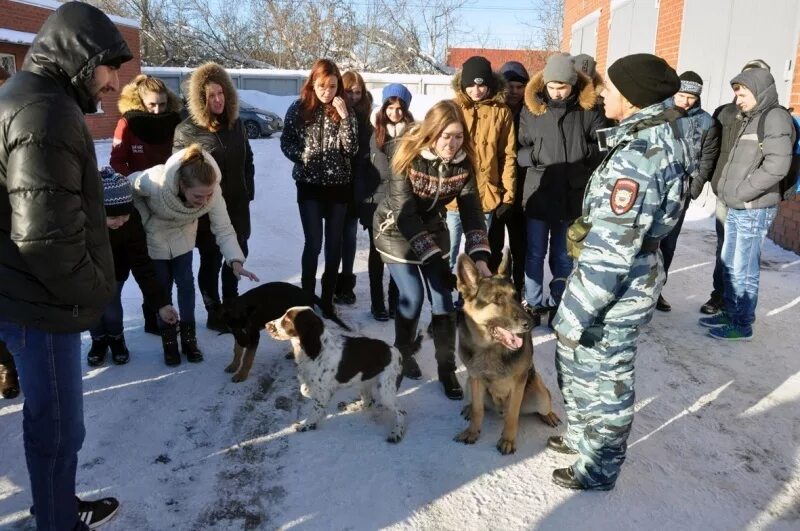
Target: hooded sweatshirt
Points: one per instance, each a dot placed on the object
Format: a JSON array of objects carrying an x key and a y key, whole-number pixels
[{"x": 751, "y": 176}]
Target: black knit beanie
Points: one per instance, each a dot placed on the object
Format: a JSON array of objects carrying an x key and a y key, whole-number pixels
[
  {"x": 477, "y": 70},
  {"x": 644, "y": 79},
  {"x": 691, "y": 83}
]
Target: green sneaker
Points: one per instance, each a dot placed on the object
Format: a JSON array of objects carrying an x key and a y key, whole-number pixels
[
  {"x": 715, "y": 321},
  {"x": 731, "y": 332}
]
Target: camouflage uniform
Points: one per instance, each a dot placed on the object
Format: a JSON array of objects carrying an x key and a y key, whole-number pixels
[{"x": 632, "y": 201}]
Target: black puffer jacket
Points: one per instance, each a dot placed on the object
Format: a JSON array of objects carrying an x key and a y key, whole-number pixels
[
  {"x": 409, "y": 224},
  {"x": 729, "y": 120},
  {"x": 56, "y": 269},
  {"x": 558, "y": 146},
  {"x": 225, "y": 139},
  {"x": 129, "y": 247}
]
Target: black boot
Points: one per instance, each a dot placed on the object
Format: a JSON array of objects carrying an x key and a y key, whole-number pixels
[
  {"x": 119, "y": 351},
  {"x": 309, "y": 285},
  {"x": 565, "y": 477},
  {"x": 344, "y": 289},
  {"x": 377, "y": 307},
  {"x": 97, "y": 354},
  {"x": 407, "y": 340},
  {"x": 169, "y": 340},
  {"x": 443, "y": 330},
  {"x": 712, "y": 305},
  {"x": 662, "y": 305},
  {"x": 9, "y": 381},
  {"x": 556, "y": 443},
  {"x": 189, "y": 343},
  {"x": 150, "y": 321},
  {"x": 328, "y": 291},
  {"x": 215, "y": 321}
]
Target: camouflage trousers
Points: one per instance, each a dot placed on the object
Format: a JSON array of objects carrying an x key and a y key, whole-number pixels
[{"x": 597, "y": 381}]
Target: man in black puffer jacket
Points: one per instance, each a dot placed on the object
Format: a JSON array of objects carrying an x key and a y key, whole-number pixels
[
  {"x": 56, "y": 269},
  {"x": 214, "y": 123}
]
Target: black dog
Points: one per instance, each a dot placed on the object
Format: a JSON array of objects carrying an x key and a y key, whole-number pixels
[{"x": 247, "y": 314}]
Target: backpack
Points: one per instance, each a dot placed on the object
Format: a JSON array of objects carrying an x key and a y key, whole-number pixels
[{"x": 790, "y": 184}]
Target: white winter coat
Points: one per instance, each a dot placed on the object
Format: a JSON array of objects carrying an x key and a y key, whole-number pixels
[{"x": 170, "y": 224}]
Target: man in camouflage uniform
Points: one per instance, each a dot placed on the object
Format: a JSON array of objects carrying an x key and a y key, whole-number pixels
[{"x": 633, "y": 200}]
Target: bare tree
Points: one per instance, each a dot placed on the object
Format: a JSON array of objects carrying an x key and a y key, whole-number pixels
[{"x": 548, "y": 26}]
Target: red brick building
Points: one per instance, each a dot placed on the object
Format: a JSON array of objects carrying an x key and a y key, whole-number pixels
[
  {"x": 534, "y": 60},
  {"x": 712, "y": 37},
  {"x": 20, "y": 21}
]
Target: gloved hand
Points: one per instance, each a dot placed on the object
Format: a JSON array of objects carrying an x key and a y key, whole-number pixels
[
  {"x": 696, "y": 188},
  {"x": 503, "y": 210},
  {"x": 591, "y": 336},
  {"x": 437, "y": 267}
]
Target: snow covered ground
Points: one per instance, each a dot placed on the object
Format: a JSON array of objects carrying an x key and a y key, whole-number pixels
[{"x": 715, "y": 441}]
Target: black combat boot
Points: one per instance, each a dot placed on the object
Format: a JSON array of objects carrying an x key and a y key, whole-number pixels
[
  {"x": 407, "y": 340},
  {"x": 97, "y": 353},
  {"x": 328, "y": 291},
  {"x": 9, "y": 381},
  {"x": 443, "y": 330},
  {"x": 189, "y": 343},
  {"x": 344, "y": 289},
  {"x": 556, "y": 443},
  {"x": 565, "y": 477},
  {"x": 119, "y": 351},
  {"x": 712, "y": 305},
  {"x": 662, "y": 305},
  {"x": 169, "y": 340}
]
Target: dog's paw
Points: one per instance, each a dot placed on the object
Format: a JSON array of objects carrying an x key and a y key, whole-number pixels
[
  {"x": 305, "y": 391},
  {"x": 551, "y": 419},
  {"x": 467, "y": 436},
  {"x": 395, "y": 437},
  {"x": 506, "y": 446},
  {"x": 238, "y": 378},
  {"x": 231, "y": 368},
  {"x": 304, "y": 426}
]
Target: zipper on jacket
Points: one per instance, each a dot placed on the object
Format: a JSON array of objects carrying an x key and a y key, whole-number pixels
[{"x": 438, "y": 192}]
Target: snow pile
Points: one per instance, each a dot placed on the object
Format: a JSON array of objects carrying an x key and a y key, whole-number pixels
[
  {"x": 267, "y": 102},
  {"x": 714, "y": 444}
]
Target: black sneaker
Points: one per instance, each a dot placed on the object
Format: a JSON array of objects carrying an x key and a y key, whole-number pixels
[
  {"x": 94, "y": 513},
  {"x": 97, "y": 512}
]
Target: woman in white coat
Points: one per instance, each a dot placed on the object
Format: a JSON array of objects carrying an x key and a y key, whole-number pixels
[{"x": 170, "y": 198}]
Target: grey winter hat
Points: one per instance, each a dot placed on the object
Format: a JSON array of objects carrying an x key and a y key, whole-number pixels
[
  {"x": 560, "y": 68},
  {"x": 585, "y": 63},
  {"x": 755, "y": 63},
  {"x": 515, "y": 71}
]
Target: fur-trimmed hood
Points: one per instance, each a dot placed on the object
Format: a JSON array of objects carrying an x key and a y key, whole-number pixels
[
  {"x": 599, "y": 83},
  {"x": 534, "y": 100},
  {"x": 129, "y": 100},
  {"x": 196, "y": 98},
  {"x": 465, "y": 101}
]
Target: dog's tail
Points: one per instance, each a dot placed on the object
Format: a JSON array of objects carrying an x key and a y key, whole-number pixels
[{"x": 333, "y": 317}]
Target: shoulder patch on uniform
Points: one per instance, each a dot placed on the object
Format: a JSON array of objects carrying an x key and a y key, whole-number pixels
[{"x": 623, "y": 196}]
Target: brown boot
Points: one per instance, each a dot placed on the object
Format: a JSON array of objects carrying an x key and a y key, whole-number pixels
[{"x": 9, "y": 382}]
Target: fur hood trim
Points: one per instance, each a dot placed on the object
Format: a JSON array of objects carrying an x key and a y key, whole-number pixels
[
  {"x": 196, "y": 97},
  {"x": 587, "y": 96},
  {"x": 465, "y": 101},
  {"x": 129, "y": 100}
]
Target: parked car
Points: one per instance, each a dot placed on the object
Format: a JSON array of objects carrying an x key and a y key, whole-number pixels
[{"x": 258, "y": 122}]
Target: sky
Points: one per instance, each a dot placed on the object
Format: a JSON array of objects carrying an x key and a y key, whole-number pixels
[{"x": 506, "y": 24}]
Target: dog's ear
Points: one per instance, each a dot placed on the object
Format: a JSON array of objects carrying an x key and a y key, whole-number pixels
[
  {"x": 309, "y": 328},
  {"x": 468, "y": 275},
  {"x": 505, "y": 264}
]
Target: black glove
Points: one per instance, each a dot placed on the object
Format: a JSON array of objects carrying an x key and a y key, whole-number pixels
[
  {"x": 591, "y": 336},
  {"x": 696, "y": 188},
  {"x": 503, "y": 210},
  {"x": 437, "y": 267}
]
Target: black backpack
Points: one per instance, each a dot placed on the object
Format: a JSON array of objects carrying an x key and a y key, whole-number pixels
[{"x": 788, "y": 186}]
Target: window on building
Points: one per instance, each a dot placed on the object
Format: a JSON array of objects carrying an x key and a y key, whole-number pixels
[{"x": 9, "y": 62}]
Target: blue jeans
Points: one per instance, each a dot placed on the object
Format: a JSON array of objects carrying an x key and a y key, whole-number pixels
[
  {"x": 178, "y": 270},
  {"x": 49, "y": 367},
  {"x": 745, "y": 231},
  {"x": 312, "y": 214},
  {"x": 408, "y": 278},
  {"x": 111, "y": 322},
  {"x": 457, "y": 231},
  {"x": 538, "y": 232}
]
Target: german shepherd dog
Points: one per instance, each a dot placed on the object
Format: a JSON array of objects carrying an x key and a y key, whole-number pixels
[{"x": 495, "y": 345}]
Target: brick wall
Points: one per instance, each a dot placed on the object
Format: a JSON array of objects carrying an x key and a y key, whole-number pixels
[
  {"x": 574, "y": 10},
  {"x": 23, "y": 17},
  {"x": 533, "y": 60},
  {"x": 786, "y": 229},
  {"x": 668, "y": 36}
]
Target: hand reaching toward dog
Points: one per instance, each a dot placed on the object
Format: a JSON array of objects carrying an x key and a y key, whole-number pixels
[
  {"x": 239, "y": 271},
  {"x": 483, "y": 268},
  {"x": 168, "y": 314}
]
